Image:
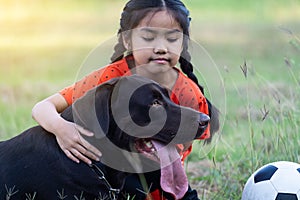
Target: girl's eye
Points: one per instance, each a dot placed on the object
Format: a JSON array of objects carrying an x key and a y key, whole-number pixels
[
  {"x": 172, "y": 39},
  {"x": 148, "y": 39}
]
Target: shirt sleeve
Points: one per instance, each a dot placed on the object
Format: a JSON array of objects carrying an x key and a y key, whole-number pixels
[
  {"x": 187, "y": 93},
  {"x": 79, "y": 88}
]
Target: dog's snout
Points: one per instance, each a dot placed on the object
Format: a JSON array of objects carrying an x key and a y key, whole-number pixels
[{"x": 203, "y": 119}]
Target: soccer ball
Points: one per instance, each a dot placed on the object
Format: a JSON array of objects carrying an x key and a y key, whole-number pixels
[{"x": 274, "y": 181}]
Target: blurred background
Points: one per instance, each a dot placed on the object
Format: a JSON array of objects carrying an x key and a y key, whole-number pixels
[{"x": 251, "y": 71}]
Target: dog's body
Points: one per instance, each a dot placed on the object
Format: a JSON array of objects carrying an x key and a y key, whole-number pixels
[{"x": 32, "y": 163}]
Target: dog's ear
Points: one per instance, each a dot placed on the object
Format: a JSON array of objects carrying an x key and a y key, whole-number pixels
[{"x": 93, "y": 109}]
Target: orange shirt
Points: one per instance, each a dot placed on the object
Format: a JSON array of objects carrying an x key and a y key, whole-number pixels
[{"x": 185, "y": 92}]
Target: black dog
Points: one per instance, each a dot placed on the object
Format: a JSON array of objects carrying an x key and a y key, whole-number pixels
[{"x": 126, "y": 115}]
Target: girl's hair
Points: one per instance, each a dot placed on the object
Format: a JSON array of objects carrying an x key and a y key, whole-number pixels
[{"x": 135, "y": 10}]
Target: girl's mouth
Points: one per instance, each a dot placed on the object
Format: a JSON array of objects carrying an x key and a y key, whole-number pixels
[{"x": 161, "y": 61}]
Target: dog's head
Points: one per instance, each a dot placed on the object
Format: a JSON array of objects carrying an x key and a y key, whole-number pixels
[
  {"x": 134, "y": 108},
  {"x": 131, "y": 118}
]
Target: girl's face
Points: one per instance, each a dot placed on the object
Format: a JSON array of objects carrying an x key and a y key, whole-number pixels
[{"x": 157, "y": 42}]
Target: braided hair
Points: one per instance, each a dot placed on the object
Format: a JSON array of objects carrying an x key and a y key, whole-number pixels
[{"x": 135, "y": 10}]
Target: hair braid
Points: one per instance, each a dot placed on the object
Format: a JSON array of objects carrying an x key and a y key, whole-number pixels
[
  {"x": 187, "y": 67},
  {"x": 119, "y": 49}
]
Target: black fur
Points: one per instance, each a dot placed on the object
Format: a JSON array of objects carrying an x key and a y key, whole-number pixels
[{"x": 33, "y": 164}]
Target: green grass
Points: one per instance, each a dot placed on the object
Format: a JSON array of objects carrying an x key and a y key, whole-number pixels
[{"x": 44, "y": 43}]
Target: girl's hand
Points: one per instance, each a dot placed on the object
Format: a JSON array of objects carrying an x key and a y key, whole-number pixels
[
  {"x": 74, "y": 145},
  {"x": 68, "y": 135}
]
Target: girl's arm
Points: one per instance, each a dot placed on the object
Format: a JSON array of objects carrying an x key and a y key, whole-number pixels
[{"x": 68, "y": 134}]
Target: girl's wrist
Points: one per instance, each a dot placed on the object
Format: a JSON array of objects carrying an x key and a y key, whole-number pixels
[{"x": 55, "y": 124}]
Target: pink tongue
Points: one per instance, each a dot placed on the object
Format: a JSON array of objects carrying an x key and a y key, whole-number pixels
[{"x": 173, "y": 178}]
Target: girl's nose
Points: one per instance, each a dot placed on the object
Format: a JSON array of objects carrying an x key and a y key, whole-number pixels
[{"x": 160, "y": 48}]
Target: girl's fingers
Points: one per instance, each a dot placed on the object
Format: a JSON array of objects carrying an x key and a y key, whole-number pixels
[
  {"x": 76, "y": 156},
  {"x": 80, "y": 156},
  {"x": 78, "y": 149},
  {"x": 83, "y": 131},
  {"x": 91, "y": 150},
  {"x": 86, "y": 153},
  {"x": 70, "y": 155}
]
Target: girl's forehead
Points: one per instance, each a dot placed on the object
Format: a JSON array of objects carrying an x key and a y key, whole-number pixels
[{"x": 161, "y": 19}]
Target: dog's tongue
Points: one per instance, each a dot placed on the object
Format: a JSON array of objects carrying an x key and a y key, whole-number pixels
[{"x": 173, "y": 178}]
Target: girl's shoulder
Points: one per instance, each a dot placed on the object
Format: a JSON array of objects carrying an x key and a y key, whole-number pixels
[
  {"x": 185, "y": 83},
  {"x": 115, "y": 69},
  {"x": 187, "y": 93},
  {"x": 120, "y": 65}
]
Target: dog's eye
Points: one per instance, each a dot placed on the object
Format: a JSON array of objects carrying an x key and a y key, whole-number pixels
[{"x": 156, "y": 103}]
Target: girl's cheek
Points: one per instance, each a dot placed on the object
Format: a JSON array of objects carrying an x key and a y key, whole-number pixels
[
  {"x": 176, "y": 50},
  {"x": 142, "y": 45}
]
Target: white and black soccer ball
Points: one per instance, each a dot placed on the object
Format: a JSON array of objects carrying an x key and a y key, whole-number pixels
[{"x": 274, "y": 181}]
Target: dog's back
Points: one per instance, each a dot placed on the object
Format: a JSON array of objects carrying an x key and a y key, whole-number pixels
[{"x": 32, "y": 164}]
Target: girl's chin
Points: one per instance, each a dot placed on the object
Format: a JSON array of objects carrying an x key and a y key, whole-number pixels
[{"x": 155, "y": 67}]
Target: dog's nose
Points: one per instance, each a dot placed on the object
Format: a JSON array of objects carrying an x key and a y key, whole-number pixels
[{"x": 203, "y": 119}]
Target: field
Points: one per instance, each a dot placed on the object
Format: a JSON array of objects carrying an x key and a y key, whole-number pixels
[{"x": 246, "y": 53}]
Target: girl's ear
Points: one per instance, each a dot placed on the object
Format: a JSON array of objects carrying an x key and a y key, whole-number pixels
[
  {"x": 126, "y": 44},
  {"x": 126, "y": 40}
]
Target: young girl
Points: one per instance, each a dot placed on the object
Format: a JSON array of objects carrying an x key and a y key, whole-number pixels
[{"x": 153, "y": 38}]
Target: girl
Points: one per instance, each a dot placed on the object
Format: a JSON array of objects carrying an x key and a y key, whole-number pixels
[{"x": 152, "y": 39}]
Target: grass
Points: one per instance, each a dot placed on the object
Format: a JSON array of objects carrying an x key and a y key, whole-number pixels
[
  {"x": 263, "y": 125},
  {"x": 250, "y": 70}
]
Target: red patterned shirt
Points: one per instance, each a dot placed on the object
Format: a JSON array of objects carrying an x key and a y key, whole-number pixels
[{"x": 184, "y": 92}]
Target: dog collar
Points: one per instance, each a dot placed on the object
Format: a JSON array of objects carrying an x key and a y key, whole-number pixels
[{"x": 113, "y": 192}]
